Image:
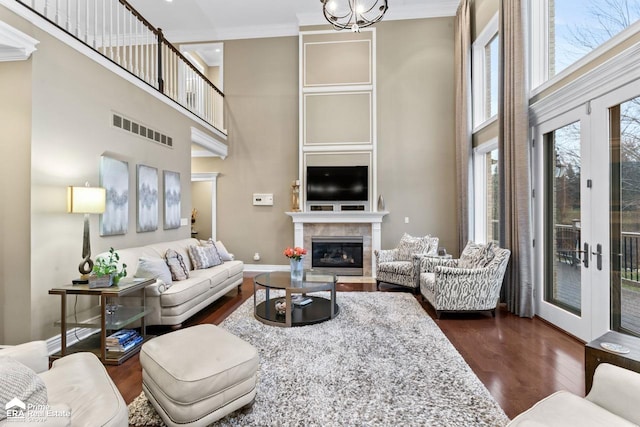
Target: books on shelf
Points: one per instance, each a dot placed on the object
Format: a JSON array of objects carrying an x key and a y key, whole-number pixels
[{"x": 123, "y": 340}]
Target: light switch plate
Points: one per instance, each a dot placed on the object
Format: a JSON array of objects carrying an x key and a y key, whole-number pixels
[{"x": 263, "y": 199}]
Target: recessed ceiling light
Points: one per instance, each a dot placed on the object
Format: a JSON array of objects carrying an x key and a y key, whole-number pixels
[{"x": 218, "y": 50}]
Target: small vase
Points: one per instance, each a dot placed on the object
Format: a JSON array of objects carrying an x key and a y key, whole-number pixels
[{"x": 296, "y": 269}]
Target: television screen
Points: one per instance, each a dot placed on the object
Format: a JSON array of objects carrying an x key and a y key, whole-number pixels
[{"x": 337, "y": 183}]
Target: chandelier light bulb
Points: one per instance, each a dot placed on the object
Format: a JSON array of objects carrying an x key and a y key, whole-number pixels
[{"x": 353, "y": 14}]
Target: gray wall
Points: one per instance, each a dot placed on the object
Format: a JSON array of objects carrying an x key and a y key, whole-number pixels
[
  {"x": 415, "y": 137},
  {"x": 416, "y": 148},
  {"x": 15, "y": 166},
  {"x": 261, "y": 93},
  {"x": 64, "y": 128}
]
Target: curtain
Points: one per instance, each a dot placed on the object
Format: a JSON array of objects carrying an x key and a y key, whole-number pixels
[
  {"x": 462, "y": 70},
  {"x": 514, "y": 159}
]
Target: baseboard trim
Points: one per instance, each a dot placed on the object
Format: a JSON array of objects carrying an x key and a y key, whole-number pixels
[
  {"x": 253, "y": 268},
  {"x": 54, "y": 344}
]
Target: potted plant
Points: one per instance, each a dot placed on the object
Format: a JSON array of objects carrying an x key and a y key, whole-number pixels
[{"x": 106, "y": 270}]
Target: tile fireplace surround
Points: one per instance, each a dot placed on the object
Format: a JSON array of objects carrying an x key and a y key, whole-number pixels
[{"x": 365, "y": 224}]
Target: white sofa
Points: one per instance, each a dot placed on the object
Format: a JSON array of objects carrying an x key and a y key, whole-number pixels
[
  {"x": 184, "y": 298},
  {"x": 77, "y": 383},
  {"x": 613, "y": 401}
]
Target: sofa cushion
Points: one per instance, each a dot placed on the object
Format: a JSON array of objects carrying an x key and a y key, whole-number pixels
[
  {"x": 154, "y": 268},
  {"x": 215, "y": 275},
  {"x": 234, "y": 267},
  {"x": 566, "y": 409},
  {"x": 19, "y": 382},
  {"x": 396, "y": 267},
  {"x": 204, "y": 256},
  {"x": 184, "y": 290},
  {"x": 175, "y": 261}
]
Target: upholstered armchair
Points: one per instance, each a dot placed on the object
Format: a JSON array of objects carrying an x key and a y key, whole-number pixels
[
  {"x": 401, "y": 266},
  {"x": 470, "y": 283}
]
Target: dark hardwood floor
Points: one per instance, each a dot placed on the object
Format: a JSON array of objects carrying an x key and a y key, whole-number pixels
[{"x": 520, "y": 361}]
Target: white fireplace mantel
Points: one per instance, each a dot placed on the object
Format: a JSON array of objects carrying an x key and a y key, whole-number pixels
[{"x": 352, "y": 217}]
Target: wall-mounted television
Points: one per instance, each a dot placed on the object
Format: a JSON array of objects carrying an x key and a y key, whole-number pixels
[{"x": 337, "y": 183}]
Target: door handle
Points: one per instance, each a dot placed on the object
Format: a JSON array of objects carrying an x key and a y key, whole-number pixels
[
  {"x": 598, "y": 254},
  {"x": 585, "y": 254}
]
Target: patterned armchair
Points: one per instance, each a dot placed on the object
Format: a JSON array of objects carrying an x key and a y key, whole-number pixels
[
  {"x": 401, "y": 266},
  {"x": 471, "y": 283}
]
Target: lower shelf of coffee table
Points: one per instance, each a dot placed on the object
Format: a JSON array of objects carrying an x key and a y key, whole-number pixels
[{"x": 319, "y": 310}]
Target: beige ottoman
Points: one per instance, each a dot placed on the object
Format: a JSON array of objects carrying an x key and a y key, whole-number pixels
[{"x": 198, "y": 375}]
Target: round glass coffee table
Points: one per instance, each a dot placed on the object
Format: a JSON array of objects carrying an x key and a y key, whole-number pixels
[{"x": 299, "y": 308}]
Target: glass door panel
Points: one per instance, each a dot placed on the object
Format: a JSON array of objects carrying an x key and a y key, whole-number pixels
[
  {"x": 564, "y": 255},
  {"x": 624, "y": 131}
]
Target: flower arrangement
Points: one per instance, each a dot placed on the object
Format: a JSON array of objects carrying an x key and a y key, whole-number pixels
[{"x": 295, "y": 253}]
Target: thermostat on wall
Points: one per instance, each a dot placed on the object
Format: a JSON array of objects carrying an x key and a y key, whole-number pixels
[{"x": 260, "y": 199}]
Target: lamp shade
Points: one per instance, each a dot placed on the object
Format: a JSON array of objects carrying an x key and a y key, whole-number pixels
[{"x": 87, "y": 200}]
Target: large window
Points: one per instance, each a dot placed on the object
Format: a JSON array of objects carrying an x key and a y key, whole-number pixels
[
  {"x": 485, "y": 75},
  {"x": 486, "y": 192},
  {"x": 565, "y": 31}
]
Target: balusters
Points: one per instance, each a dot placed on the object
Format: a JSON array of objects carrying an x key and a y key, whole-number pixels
[
  {"x": 95, "y": 24},
  {"x": 126, "y": 39}
]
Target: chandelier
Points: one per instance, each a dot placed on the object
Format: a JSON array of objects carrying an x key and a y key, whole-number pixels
[{"x": 353, "y": 14}]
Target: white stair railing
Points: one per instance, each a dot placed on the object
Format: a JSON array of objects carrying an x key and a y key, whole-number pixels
[{"x": 117, "y": 31}]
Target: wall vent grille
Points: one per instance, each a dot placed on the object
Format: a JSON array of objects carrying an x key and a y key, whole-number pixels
[{"x": 128, "y": 125}]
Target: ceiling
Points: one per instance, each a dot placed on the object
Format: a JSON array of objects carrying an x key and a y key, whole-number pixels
[{"x": 213, "y": 20}]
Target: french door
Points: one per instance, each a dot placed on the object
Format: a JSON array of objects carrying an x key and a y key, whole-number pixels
[
  {"x": 588, "y": 216},
  {"x": 619, "y": 112},
  {"x": 564, "y": 222}
]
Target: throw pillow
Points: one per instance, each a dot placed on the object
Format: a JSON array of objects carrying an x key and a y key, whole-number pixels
[
  {"x": 204, "y": 256},
  {"x": 176, "y": 265},
  {"x": 224, "y": 253},
  {"x": 19, "y": 382},
  {"x": 476, "y": 255},
  {"x": 222, "y": 250},
  {"x": 410, "y": 245},
  {"x": 154, "y": 268}
]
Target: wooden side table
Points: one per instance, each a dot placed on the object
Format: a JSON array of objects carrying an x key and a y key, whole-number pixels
[{"x": 594, "y": 355}]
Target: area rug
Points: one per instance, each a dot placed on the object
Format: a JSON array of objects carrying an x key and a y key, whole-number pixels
[{"x": 381, "y": 362}]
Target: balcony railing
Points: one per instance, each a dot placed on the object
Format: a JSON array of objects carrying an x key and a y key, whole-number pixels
[
  {"x": 117, "y": 31},
  {"x": 568, "y": 247}
]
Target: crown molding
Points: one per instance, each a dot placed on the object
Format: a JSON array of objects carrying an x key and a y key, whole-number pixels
[
  {"x": 14, "y": 44},
  {"x": 236, "y": 33},
  {"x": 396, "y": 12}
]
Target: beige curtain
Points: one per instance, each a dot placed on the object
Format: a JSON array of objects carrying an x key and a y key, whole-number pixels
[
  {"x": 516, "y": 230},
  {"x": 462, "y": 67}
]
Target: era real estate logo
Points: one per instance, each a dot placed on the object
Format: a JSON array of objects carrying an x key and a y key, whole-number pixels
[
  {"x": 15, "y": 409},
  {"x": 18, "y": 411}
]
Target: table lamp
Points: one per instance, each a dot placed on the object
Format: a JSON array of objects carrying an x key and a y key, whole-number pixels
[{"x": 85, "y": 200}]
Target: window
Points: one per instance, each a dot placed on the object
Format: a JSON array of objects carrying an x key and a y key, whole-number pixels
[
  {"x": 485, "y": 75},
  {"x": 565, "y": 31},
  {"x": 487, "y": 195}
]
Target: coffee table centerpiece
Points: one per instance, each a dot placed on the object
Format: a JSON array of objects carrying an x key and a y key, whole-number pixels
[{"x": 300, "y": 308}]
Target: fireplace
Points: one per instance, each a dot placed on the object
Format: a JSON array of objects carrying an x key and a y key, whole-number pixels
[{"x": 337, "y": 254}]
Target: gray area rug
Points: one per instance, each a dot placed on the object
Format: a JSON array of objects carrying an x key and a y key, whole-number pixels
[{"x": 381, "y": 362}]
